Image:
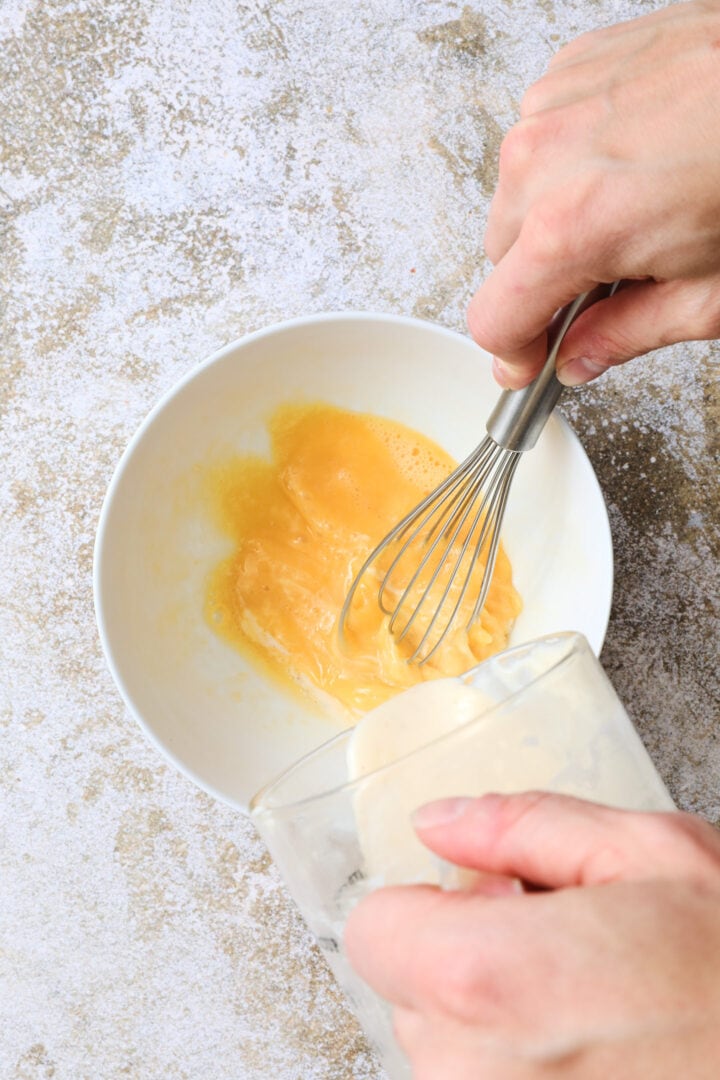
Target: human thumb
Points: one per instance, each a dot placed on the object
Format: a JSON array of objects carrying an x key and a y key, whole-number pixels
[
  {"x": 640, "y": 317},
  {"x": 555, "y": 840}
]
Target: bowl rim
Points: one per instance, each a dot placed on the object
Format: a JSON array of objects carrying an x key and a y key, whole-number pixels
[{"x": 99, "y": 555}]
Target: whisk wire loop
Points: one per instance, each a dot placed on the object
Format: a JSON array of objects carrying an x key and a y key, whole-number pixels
[
  {"x": 487, "y": 516},
  {"x": 482, "y": 482},
  {"x": 451, "y": 490},
  {"x": 510, "y": 466},
  {"x": 451, "y": 533}
]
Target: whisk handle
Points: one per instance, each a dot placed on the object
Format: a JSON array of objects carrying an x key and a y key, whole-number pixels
[{"x": 520, "y": 415}]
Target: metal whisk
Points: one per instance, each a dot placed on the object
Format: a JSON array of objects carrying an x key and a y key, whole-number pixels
[{"x": 465, "y": 512}]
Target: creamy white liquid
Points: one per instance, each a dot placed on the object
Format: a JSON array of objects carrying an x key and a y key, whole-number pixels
[{"x": 447, "y": 738}]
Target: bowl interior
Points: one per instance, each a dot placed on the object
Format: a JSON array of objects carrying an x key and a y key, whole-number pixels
[{"x": 210, "y": 711}]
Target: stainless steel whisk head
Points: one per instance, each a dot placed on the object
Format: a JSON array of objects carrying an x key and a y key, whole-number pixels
[{"x": 454, "y": 533}]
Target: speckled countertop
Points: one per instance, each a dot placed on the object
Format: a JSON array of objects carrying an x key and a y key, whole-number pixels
[{"x": 173, "y": 175}]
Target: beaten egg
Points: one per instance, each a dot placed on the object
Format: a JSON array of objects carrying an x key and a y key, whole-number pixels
[{"x": 302, "y": 523}]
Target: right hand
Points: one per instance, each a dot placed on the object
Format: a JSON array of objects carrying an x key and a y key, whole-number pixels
[
  {"x": 613, "y": 172},
  {"x": 608, "y": 969}
]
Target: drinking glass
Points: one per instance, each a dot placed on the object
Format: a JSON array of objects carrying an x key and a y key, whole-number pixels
[{"x": 551, "y": 721}]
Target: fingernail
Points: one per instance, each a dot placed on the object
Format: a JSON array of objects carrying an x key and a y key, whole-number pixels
[
  {"x": 455, "y": 878},
  {"x": 495, "y": 886},
  {"x": 500, "y": 372},
  {"x": 579, "y": 370},
  {"x": 440, "y": 812}
]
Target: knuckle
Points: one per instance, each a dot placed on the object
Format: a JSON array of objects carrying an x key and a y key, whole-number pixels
[
  {"x": 485, "y": 326},
  {"x": 701, "y": 312},
  {"x": 535, "y": 99},
  {"x": 583, "y": 43},
  {"x": 496, "y": 229},
  {"x": 462, "y": 987},
  {"x": 517, "y": 148},
  {"x": 686, "y": 310},
  {"x": 479, "y": 321},
  {"x": 474, "y": 319},
  {"x": 697, "y": 841},
  {"x": 681, "y": 843},
  {"x": 493, "y": 244},
  {"x": 690, "y": 845},
  {"x": 610, "y": 349},
  {"x": 492, "y": 249},
  {"x": 549, "y": 240},
  {"x": 405, "y": 1024},
  {"x": 605, "y": 863},
  {"x": 563, "y": 226}
]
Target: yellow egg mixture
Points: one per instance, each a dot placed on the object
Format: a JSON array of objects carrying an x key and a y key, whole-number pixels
[{"x": 303, "y": 523}]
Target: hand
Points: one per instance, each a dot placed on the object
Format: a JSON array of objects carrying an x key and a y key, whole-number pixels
[
  {"x": 612, "y": 971},
  {"x": 613, "y": 172}
]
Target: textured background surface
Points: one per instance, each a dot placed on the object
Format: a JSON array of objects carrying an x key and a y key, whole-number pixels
[{"x": 175, "y": 174}]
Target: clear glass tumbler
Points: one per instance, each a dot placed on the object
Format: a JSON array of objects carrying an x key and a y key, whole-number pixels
[{"x": 552, "y": 721}]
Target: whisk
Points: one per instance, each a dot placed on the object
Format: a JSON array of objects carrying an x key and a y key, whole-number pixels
[{"x": 462, "y": 517}]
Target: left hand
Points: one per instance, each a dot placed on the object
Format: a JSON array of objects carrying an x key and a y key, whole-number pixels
[{"x": 611, "y": 971}]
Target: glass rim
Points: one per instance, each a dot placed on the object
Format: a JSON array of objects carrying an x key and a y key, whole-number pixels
[{"x": 574, "y": 639}]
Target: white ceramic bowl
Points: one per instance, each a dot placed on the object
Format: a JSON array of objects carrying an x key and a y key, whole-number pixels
[{"x": 208, "y": 710}]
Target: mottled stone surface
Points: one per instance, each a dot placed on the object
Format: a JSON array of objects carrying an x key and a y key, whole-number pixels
[{"x": 174, "y": 174}]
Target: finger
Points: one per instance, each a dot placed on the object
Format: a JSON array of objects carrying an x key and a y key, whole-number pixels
[
  {"x": 409, "y": 1029},
  {"x": 504, "y": 222},
  {"x": 440, "y": 1047},
  {"x": 509, "y": 314},
  {"x": 377, "y": 933},
  {"x": 563, "y": 86},
  {"x": 555, "y": 841},
  {"x": 381, "y": 929},
  {"x": 625, "y": 36},
  {"x": 423, "y": 949},
  {"x": 641, "y": 317},
  {"x": 537, "y": 156},
  {"x": 548, "y": 185}
]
